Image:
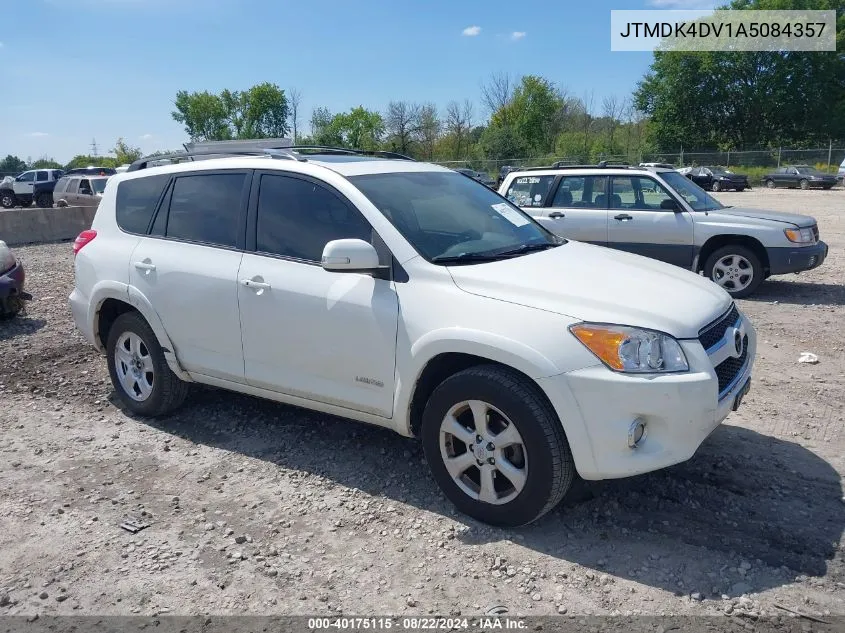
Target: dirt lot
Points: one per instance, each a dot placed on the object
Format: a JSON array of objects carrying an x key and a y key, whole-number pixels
[{"x": 260, "y": 508}]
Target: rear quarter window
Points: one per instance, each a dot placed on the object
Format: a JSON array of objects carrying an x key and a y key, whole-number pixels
[
  {"x": 529, "y": 191},
  {"x": 137, "y": 200}
]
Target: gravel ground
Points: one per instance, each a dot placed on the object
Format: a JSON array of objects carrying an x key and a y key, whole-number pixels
[{"x": 255, "y": 507}]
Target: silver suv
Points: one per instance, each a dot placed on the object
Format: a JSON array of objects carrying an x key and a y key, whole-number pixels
[{"x": 659, "y": 213}]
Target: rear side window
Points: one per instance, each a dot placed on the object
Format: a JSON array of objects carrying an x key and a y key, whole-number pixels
[
  {"x": 60, "y": 185},
  {"x": 206, "y": 208},
  {"x": 73, "y": 185},
  {"x": 530, "y": 191},
  {"x": 42, "y": 176},
  {"x": 136, "y": 201}
]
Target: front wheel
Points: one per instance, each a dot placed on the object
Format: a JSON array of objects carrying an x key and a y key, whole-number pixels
[
  {"x": 496, "y": 447},
  {"x": 138, "y": 369},
  {"x": 715, "y": 187},
  {"x": 804, "y": 184},
  {"x": 8, "y": 200},
  {"x": 735, "y": 268}
]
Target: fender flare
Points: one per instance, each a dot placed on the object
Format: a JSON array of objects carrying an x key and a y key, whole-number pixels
[
  {"x": 496, "y": 348},
  {"x": 128, "y": 294}
]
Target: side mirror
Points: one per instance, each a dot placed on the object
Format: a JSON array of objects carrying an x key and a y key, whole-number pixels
[
  {"x": 349, "y": 256},
  {"x": 669, "y": 205}
]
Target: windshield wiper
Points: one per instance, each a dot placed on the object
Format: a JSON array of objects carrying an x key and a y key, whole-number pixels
[
  {"x": 465, "y": 258},
  {"x": 529, "y": 248}
]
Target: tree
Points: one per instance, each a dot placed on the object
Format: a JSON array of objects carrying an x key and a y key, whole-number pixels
[
  {"x": 429, "y": 129},
  {"x": 501, "y": 141},
  {"x": 295, "y": 98},
  {"x": 203, "y": 114},
  {"x": 321, "y": 119},
  {"x": 260, "y": 112},
  {"x": 497, "y": 92},
  {"x": 611, "y": 110},
  {"x": 752, "y": 98},
  {"x": 587, "y": 121},
  {"x": 402, "y": 124},
  {"x": 458, "y": 124},
  {"x": 45, "y": 162},
  {"x": 12, "y": 164},
  {"x": 359, "y": 128},
  {"x": 125, "y": 153},
  {"x": 84, "y": 160}
]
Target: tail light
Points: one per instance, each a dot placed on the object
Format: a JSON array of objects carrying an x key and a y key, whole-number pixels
[{"x": 83, "y": 239}]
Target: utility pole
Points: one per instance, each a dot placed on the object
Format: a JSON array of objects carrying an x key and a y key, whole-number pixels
[
  {"x": 829, "y": 152},
  {"x": 94, "y": 147}
]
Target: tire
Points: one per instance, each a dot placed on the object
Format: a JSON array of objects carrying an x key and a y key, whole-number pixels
[
  {"x": 158, "y": 391},
  {"x": 24, "y": 204},
  {"x": 542, "y": 455},
  {"x": 739, "y": 189},
  {"x": 727, "y": 261},
  {"x": 7, "y": 199},
  {"x": 827, "y": 187},
  {"x": 44, "y": 201},
  {"x": 769, "y": 183},
  {"x": 715, "y": 187},
  {"x": 804, "y": 184}
]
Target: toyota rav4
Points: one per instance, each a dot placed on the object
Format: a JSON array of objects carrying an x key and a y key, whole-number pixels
[{"x": 408, "y": 296}]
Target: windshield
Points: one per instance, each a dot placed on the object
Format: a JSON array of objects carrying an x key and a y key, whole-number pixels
[
  {"x": 99, "y": 184},
  {"x": 808, "y": 170},
  {"x": 695, "y": 196},
  {"x": 447, "y": 217}
]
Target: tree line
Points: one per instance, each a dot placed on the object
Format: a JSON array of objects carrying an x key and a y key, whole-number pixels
[{"x": 122, "y": 154}]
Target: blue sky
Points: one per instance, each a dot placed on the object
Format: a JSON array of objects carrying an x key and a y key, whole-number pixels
[{"x": 82, "y": 69}]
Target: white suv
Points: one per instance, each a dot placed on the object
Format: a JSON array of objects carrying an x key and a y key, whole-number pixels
[{"x": 406, "y": 295}]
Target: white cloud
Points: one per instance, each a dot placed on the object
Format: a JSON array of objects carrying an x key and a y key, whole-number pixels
[
  {"x": 38, "y": 134},
  {"x": 471, "y": 31},
  {"x": 145, "y": 137},
  {"x": 681, "y": 4},
  {"x": 518, "y": 35}
]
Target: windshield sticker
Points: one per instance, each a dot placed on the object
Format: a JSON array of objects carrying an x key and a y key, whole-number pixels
[
  {"x": 538, "y": 197},
  {"x": 509, "y": 214},
  {"x": 533, "y": 180}
]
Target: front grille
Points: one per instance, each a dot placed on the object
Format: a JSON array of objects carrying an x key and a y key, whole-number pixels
[
  {"x": 711, "y": 334},
  {"x": 728, "y": 369}
]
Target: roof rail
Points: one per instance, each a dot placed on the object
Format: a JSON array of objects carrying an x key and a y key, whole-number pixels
[
  {"x": 562, "y": 165},
  {"x": 143, "y": 163},
  {"x": 291, "y": 152}
]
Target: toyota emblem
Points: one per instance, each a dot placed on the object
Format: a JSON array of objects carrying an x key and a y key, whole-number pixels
[{"x": 738, "y": 343}]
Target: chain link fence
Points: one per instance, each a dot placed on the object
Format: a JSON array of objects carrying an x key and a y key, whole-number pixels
[{"x": 827, "y": 158}]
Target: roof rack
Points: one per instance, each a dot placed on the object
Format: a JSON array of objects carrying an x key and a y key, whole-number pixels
[
  {"x": 286, "y": 154},
  {"x": 290, "y": 152},
  {"x": 563, "y": 165}
]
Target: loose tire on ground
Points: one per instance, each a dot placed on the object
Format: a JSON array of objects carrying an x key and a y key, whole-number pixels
[
  {"x": 719, "y": 259},
  {"x": 547, "y": 464},
  {"x": 167, "y": 391}
]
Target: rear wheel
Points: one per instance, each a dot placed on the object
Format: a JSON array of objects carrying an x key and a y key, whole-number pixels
[
  {"x": 7, "y": 199},
  {"x": 44, "y": 201},
  {"x": 804, "y": 184},
  {"x": 716, "y": 186},
  {"x": 496, "y": 447},
  {"x": 769, "y": 183},
  {"x": 738, "y": 189},
  {"x": 735, "y": 268},
  {"x": 138, "y": 369}
]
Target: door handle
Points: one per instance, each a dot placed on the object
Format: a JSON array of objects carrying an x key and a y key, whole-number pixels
[
  {"x": 255, "y": 285},
  {"x": 556, "y": 215},
  {"x": 145, "y": 266},
  {"x": 623, "y": 217}
]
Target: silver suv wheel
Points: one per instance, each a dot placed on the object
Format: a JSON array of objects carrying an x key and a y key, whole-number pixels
[{"x": 134, "y": 366}]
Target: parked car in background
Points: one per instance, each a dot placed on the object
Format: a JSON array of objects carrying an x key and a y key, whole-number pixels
[
  {"x": 661, "y": 214},
  {"x": 20, "y": 192},
  {"x": 717, "y": 179},
  {"x": 661, "y": 165},
  {"x": 480, "y": 176},
  {"x": 840, "y": 176},
  {"x": 12, "y": 278},
  {"x": 80, "y": 191},
  {"x": 801, "y": 176},
  {"x": 504, "y": 171},
  {"x": 411, "y": 297}
]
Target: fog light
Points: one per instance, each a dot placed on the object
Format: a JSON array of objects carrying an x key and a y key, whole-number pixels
[{"x": 636, "y": 433}]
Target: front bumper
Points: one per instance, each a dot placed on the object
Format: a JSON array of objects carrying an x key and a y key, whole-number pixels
[
  {"x": 598, "y": 406},
  {"x": 12, "y": 288},
  {"x": 795, "y": 259}
]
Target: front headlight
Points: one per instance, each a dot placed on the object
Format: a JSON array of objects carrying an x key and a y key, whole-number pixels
[
  {"x": 7, "y": 259},
  {"x": 800, "y": 236},
  {"x": 631, "y": 350}
]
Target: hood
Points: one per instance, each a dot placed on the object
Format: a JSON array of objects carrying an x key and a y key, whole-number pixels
[
  {"x": 732, "y": 177},
  {"x": 593, "y": 283},
  {"x": 764, "y": 214}
]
